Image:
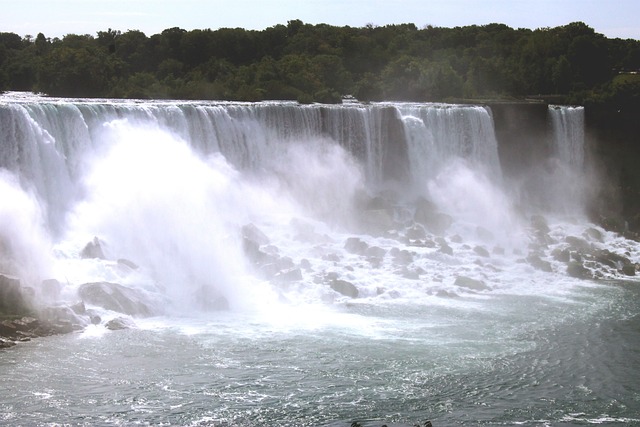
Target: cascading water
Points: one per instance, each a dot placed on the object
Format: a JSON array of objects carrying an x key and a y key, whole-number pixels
[{"x": 307, "y": 265}]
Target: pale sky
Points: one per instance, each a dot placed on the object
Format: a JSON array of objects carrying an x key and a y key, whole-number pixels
[{"x": 55, "y": 18}]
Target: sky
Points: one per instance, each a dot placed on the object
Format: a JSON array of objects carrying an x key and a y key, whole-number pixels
[{"x": 55, "y": 18}]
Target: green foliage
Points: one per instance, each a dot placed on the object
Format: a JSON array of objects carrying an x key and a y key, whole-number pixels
[{"x": 321, "y": 63}]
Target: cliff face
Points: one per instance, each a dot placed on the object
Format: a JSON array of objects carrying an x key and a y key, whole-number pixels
[
  {"x": 615, "y": 143},
  {"x": 612, "y": 144}
]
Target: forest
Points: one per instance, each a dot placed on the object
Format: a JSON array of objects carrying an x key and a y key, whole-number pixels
[{"x": 324, "y": 63}]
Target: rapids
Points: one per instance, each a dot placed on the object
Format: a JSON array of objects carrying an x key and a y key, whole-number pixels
[{"x": 311, "y": 265}]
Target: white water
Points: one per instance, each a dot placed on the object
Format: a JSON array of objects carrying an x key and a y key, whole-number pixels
[{"x": 170, "y": 186}]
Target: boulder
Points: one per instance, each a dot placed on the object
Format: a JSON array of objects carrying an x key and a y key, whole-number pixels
[
  {"x": 445, "y": 249},
  {"x": 127, "y": 263},
  {"x": 539, "y": 224},
  {"x": 593, "y": 234},
  {"x": 538, "y": 263},
  {"x": 577, "y": 270},
  {"x": 253, "y": 233},
  {"x": 629, "y": 270},
  {"x": 345, "y": 288},
  {"x": 93, "y": 249},
  {"x": 291, "y": 275},
  {"x": 416, "y": 232},
  {"x": 375, "y": 252},
  {"x": 12, "y": 300},
  {"x": 50, "y": 289},
  {"x": 115, "y": 297},
  {"x": 578, "y": 244},
  {"x": 562, "y": 255},
  {"x": 484, "y": 234},
  {"x": 120, "y": 323},
  {"x": 469, "y": 283},
  {"x": 481, "y": 251},
  {"x": 355, "y": 245}
]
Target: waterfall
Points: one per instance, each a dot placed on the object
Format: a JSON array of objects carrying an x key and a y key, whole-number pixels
[
  {"x": 172, "y": 185},
  {"x": 568, "y": 134}
]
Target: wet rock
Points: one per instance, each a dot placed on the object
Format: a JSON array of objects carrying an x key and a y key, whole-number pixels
[
  {"x": 12, "y": 300},
  {"x": 93, "y": 249},
  {"x": 481, "y": 251},
  {"x": 375, "y": 252},
  {"x": 64, "y": 316},
  {"x": 484, "y": 234},
  {"x": 127, "y": 263},
  {"x": 115, "y": 297},
  {"x": 291, "y": 275},
  {"x": 355, "y": 245},
  {"x": 629, "y": 269},
  {"x": 416, "y": 232},
  {"x": 498, "y": 250},
  {"x": 612, "y": 259},
  {"x": 539, "y": 223},
  {"x": 120, "y": 323},
  {"x": 331, "y": 257},
  {"x": 305, "y": 264},
  {"x": 538, "y": 263},
  {"x": 577, "y": 270},
  {"x": 402, "y": 257},
  {"x": 562, "y": 255},
  {"x": 345, "y": 288},
  {"x": 445, "y": 249},
  {"x": 378, "y": 220},
  {"x": 593, "y": 234},
  {"x": 253, "y": 233},
  {"x": 50, "y": 289},
  {"x": 456, "y": 238},
  {"x": 469, "y": 283},
  {"x": 578, "y": 244}
]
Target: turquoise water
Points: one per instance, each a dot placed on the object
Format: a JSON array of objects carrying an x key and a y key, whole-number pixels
[{"x": 505, "y": 361}]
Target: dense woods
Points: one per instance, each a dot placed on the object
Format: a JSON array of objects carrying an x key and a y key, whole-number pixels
[{"x": 323, "y": 63}]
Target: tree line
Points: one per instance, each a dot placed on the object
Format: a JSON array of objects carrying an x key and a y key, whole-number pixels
[{"x": 323, "y": 63}]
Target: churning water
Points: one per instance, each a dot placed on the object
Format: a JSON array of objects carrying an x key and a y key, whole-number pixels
[{"x": 310, "y": 265}]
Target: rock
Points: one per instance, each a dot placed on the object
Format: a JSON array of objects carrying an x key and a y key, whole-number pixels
[
  {"x": 115, "y": 297},
  {"x": 291, "y": 275},
  {"x": 120, "y": 323},
  {"x": 208, "y": 298},
  {"x": 577, "y": 270},
  {"x": 355, "y": 245},
  {"x": 254, "y": 234},
  {"x": 629, "y": 270},
  {"x": 331, "y": 257},
  {"x": 375, "y": 252},
  {"x": 378, "y": 220},
  {"x": 538, "y": 263},
  {"x": 562, "y": 255},
  {"x": 469, "y": 283},
  {"x": 93, "y": 249},
  {"x": 445, "y": 249},
  {"x": 12, "y": 300},
  {"x": 578, "y": 244},
  {"x": 402, "y": 257},
  {"x": 63, "y": 315},
  {"x": 539, "y": 223},
  {"x": 593, "y": 234},
  {"x": 50, "y": 289},
  {"x": 612, "y": 259},
  {"x": 305, "y": 264},
  {"x": 79, "y": 308},
  {"x": 484, "y": 234},
  {"x": 345, "y": 288},
  {"x": 416, "y": 232},
  {"x": 130, "y": 264},
  {"x": 481, "y": 251}
]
